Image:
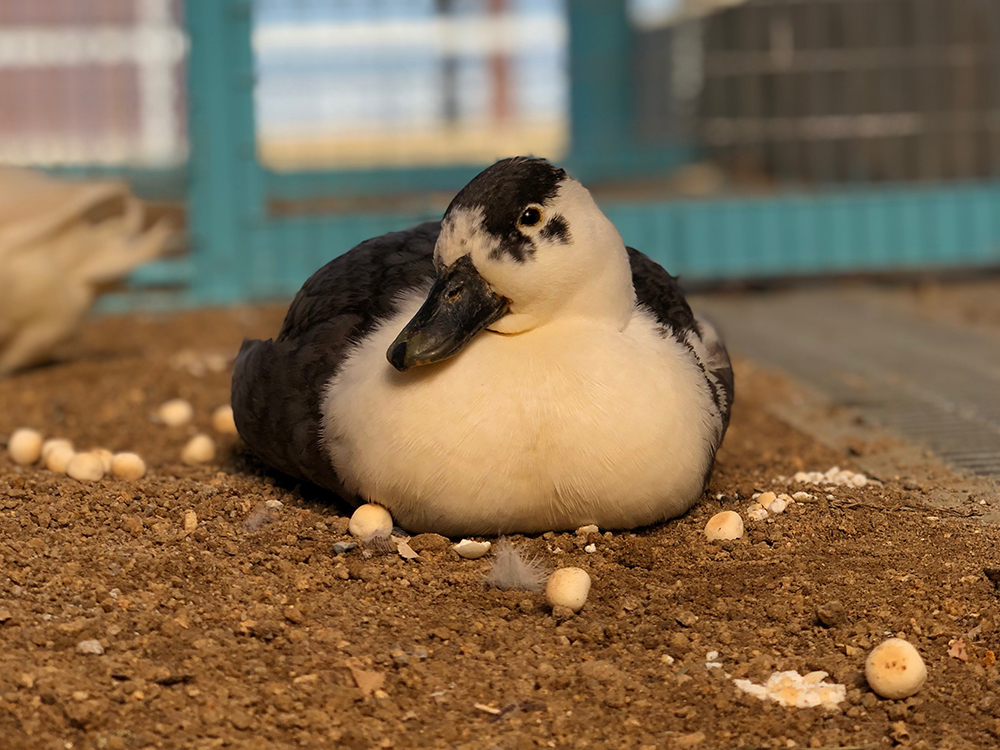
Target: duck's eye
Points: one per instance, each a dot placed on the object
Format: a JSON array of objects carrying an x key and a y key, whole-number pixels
[{"x": 530, "y": 217}]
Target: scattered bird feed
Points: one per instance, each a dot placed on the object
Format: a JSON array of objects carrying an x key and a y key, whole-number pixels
[
  {"x": 86, "y": 467},
  {"x": 724, "y": 526},
  {"x": 59, "y": 458},
  {"x": 200, "y": 364},
  {"x": 52, "y": 444},
  {"x": 568, "y": 587},
  {"x": 25, "y": 446},
  {"x": 199, "y": 450},
  {"x": 106, "y": 457},
  {"x": 797, "y": 691},
  {"x": 370, "y": 521},
  {"x": 834, "y": 477},
  {"x": 223, "y": 421},
  {"x": 128, "y": 466},
  {"x": 175, "y": 412},
  {"x": 767, "y": 504},
  {"x": 472, "y": 550},
  {"x": 895, "y": 670}
]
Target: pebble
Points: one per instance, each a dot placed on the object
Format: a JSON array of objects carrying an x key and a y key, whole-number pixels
[
  {"x": 832, "y": 613},
  {"x": 370, "y": 520},
  {"x": 90, "y": 647},
  {"x": 128, "y": 466},
  {"x": 724, "y": 526},
  {"x": 222, "y": 420},
  {"x": 568, "y": 587},
  {"x": 52, "y": 444},
  {"x": 895, "y": 670},
  {"x": 199, "y": 450},
  {"x": 472, "y": 550},
  {"x": 190, "y": 520},
  {"x": 341, "y": 547},
  {"x": 86, "y": 467},
  {"x": 273, "y": 504},
  {"x": 588, "y": 529},
  {"x": 590, "y": 549},
  {"x": 175, "y": 412},
  {"x": 25, "y": 446},
  {"x": 59, "y": 458}
]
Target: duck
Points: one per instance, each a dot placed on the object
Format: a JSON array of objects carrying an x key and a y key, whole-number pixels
[{"x": 512, "y": 368}]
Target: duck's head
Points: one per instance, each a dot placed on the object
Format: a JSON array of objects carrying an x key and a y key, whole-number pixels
[{"x": 521, "y": 246}]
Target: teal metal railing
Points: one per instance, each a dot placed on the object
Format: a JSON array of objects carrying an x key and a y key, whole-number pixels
[{"x": 242, "y": 249}]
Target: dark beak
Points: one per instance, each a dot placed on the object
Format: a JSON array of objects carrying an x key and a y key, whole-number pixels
[{"x": 459, "y": 305}]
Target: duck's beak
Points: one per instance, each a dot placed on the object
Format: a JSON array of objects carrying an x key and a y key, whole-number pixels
[{"x": 458, "y": 306}]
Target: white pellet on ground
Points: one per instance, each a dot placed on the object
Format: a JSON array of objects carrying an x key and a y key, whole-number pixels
[
  {"x": 175, "y": 412},
  {"x": 128, "y": 466},
  {"x": 52, "y": 443},
  {"x": 797, "y": 691},
  {"x": 370, "y": 520},
  {"x": 106, "y": 457},
  {"x": 58, "y": 459},
  {"x": 590, "y": 549},
  {"x": 273, "y": 504},
  {"x": 724, "y": 526},
  {"x": 568, "y": 587},
  {"x": 223, "y": 421},
  {"x": 895, "y": 670},
  {"x": 835, "y": 477},
  {"x": 471, "y": 550},
  {"x": 588, "y": 529},
  {"x": 25, "y": 446},
  {"x": 767, "y": 504},
  {"x": 86, "y": 467},
  {"x": 199, "y": 450}
]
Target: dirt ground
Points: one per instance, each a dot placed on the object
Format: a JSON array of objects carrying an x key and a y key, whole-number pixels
[{"x": 250, "y": 632}]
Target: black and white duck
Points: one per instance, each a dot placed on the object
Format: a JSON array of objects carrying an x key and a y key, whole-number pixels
[{"x": 511, "y": 368}]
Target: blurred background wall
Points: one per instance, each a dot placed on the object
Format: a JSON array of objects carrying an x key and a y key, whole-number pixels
[{"x": 729, "y": 139}]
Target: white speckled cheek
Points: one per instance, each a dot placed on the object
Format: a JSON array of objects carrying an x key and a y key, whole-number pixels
[{"x": 463, "y": 234}]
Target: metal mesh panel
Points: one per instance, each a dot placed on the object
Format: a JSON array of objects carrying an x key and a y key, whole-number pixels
[
  {"x": 838, "y": 90},
  {"x": 394, "y": 82},
  {"x": 90, "y": 82}
]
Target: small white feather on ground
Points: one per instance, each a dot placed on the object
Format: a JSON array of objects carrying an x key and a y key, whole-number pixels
[{"x": 512, "y": 570}]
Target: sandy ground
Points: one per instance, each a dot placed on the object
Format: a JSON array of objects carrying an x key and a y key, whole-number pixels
[{"x": 249, "y": 631}]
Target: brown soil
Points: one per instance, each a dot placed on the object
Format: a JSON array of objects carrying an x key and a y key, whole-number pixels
[{"x": 244, "y": 631}]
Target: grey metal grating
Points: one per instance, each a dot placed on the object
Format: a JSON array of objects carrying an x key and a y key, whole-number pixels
[{"x": 933, "y": 384}]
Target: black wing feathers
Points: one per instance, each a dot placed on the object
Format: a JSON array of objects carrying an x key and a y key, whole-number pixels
[{"x": 278, "y": 384}]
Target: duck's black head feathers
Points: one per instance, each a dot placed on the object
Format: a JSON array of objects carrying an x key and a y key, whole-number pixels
[{"x": 502, "y": 191}]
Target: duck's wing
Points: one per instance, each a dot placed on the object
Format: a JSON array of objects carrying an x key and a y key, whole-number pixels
[
  {"x": 278, "y": 384},
  {"x": 662, "y": 295}
]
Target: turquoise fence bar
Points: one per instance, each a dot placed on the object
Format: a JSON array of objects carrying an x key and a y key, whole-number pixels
[{"x": 243, "y": 249}]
